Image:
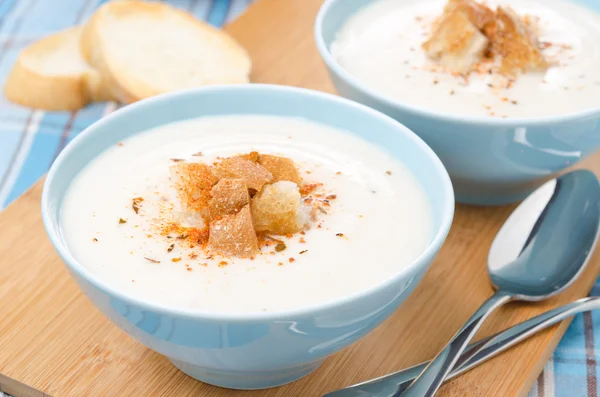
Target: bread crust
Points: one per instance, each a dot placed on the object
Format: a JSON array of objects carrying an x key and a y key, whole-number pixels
[
  {"x": 122, "y": 82},
  {"x": 28, "y": 85}
]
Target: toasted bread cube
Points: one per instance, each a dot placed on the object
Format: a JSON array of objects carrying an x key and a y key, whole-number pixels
[
  {"x": 516, "y": 44},
  {"x": 254, "y": 174},
  {"x": 252, "y": 156},
  {"x": 278, "y": 209},
  {"x": 234, "y": 235},
  {"x": 479, "y": 14},
  {"x": 456, "y": 43},
  {"x": 193, "y": 182},
  {"x": 228, "y": 196},
  {"x": 282, "y": 168}
]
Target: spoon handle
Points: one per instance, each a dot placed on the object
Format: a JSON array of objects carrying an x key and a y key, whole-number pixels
[
  {"x": 476, "y": 353},
  {"x": 432, "y": 377}
]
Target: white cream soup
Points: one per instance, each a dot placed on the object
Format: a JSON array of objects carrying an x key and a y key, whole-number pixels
[
  {"x": 381, "y": 46},
  {"x": 379, "y": 222}
]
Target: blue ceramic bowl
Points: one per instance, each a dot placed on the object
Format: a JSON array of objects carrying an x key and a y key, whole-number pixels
[
  {"x": 258, "y": 350},
  {"x": 490, "y": 161}
]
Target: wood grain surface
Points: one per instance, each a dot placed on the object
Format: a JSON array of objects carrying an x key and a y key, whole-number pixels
[{"x": 54, "y": 342}]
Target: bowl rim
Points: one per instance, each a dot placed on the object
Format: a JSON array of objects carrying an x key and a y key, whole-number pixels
[
  {"x": 423, "y": 111},
  {"x": 447, "y": 209}
]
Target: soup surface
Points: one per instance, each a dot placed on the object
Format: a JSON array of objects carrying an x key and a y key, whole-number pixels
[
  {"x": 381, "y": 46},
  {"x": 378, "y": 223}
]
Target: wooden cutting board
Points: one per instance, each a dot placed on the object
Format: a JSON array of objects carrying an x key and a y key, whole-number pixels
[{"x": 54, "y": 342}]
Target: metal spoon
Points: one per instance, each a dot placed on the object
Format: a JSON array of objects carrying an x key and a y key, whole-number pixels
[
  {"x": 540, "y": 250},
  {"x": 394, "y": 384}
]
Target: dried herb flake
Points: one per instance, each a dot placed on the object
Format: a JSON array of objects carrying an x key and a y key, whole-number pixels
[
  {"x": 170, "y": 247},
  {"x": 280, "y": 247},
  {"x": 151, "y": 260}
]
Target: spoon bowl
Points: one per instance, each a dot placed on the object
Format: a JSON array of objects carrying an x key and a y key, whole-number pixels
[{"x": 545, "y": 243}]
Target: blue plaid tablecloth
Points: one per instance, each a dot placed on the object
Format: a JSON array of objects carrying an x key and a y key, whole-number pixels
[{"x": 31, "y": 139}]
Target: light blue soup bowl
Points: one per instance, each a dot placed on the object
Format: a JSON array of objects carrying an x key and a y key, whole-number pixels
[
  {"x": 251, "y": 350},
  {"x": 490, "y": 161}
]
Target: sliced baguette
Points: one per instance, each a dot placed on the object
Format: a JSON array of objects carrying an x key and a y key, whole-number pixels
[
  {"x": 144, "y": 49},
  {"x": 52, "y": 74}
]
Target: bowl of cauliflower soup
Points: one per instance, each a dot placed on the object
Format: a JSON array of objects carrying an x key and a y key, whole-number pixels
[
  {"x": 504, "y": 91},
  {"x": 247, "y": 232}
]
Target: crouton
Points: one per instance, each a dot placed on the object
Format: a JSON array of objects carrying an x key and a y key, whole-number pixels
[
  {"x": 278, "y": 209},
  {"x": 228, "y": 196},
  {"x": 252, "y": 156},
  {"x": 516, "y": 44},
  {"x": 254, "y": 174},
  {"x": 234, "y": 235},
  {"x": 479, "y": 14},
  {"x": 193, "y": 182},
  {"x": 456, "y": 43},
  {"x": 282, "y": 168}
]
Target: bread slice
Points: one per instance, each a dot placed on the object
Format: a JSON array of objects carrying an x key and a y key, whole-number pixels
[
  {"x": 52, "y": 74},
  {"x": 148, "y": 48}
]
